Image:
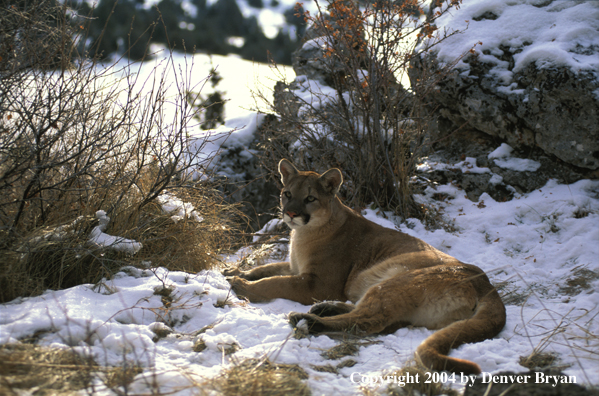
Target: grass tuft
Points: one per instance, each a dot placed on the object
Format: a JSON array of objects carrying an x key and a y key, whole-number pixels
[
  {"x": 61, "y": 256},
  {"x": 46, "y": 371},
  {"x": 580, "y": 280},
  {"x": 538, "y": 360},
  {"x": 346, "y": 348},
  {"x": 260, "y": 377}
]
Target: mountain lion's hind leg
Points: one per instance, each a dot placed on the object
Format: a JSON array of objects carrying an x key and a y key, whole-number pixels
[
  {"x": 430, "y": 297},
  {"x": 321, "y": 310},
  {"x": 381, "y": 306},
  {"x": 331, "y": 308}
]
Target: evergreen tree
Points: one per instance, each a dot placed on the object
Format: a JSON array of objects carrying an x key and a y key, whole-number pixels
[
  {"x": 121, "y": 26},
  {"x": 256, "y": 3}
]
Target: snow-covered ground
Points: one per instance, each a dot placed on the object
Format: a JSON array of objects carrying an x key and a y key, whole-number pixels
[
  {"x": 538, "y": 248},
  {"x": 541, "y": 249},
  {"x": 241, "y": 79}
]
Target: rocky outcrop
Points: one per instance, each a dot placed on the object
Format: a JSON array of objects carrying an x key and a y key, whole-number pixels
[
  {"x": 469, "y": 148},
  {"x": 532, "y": 80},
  {"x": 554, "y": 110}
]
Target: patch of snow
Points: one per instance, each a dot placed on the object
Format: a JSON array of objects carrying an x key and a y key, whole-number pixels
[
  {"x": 204, "y": 147},
  {"x": 468, "y": 165},
  {"x": 98, "y": 238},
  {"x": 502, "y": 158},
  {"x": 496, "y": 179},
  {"x": 547, "y": 34},
  {"x": 505, "y": 150},
  {"x": 268, "y": 228},
  {"x": 518, "y": 164},
  {"x": 313, "y": 94},
  {"x": 178, "y": 209}
]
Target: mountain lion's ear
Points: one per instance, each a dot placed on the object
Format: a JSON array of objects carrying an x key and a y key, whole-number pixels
[
  {"x": 286, "y": 169},
  {"x": 331, "y": 180}
]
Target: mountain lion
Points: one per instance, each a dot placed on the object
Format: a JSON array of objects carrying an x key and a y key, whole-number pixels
[{"x": 394, "y": 279}]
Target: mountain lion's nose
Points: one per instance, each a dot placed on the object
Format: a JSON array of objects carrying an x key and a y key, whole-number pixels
[{"x": 291, "y": 214}]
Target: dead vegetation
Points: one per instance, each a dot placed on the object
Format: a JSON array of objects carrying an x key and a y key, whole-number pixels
[
  {"x": 346, "y": 348},
  {"x": 44, "y": 371},
  {"x": 358, "y": 116},
  {"x": 260, "y": 377},
  {"x": 580, "y": 281},
  {"x": 538, "y": 360},
  {"x": 77, "y": 138}
]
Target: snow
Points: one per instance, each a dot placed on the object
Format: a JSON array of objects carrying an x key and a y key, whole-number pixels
[
  {"x": 204, "y": 147},
  {"x": 178, "y": 209},
  {"x": 98, "y": 238},
  {"x": 468, "y": 165},
  {"x": 532, "y": 246},
  {"x": 505, "y": 150},
  {"x": 313, "y": 94},
  {"x": 545, "y": 33},
  {"x": 502, "y": 157},
  {"x": 241, "y": 79}
]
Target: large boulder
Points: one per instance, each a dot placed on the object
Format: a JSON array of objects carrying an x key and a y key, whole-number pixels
[{"x": 530, "y": 76}]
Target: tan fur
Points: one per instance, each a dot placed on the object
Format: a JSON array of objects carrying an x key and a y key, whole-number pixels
[{"x": 394, "y": 279}]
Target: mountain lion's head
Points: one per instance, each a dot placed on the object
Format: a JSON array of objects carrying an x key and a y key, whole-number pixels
[{"x": 306, "y": 197}]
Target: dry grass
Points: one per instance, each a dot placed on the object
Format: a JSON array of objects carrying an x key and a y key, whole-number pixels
[
  {"x": 46, "y": 259},
  {"x": 259, "y": 377},
  {"x": 580, "y": 280},
  {"x": 538, "y": 360},
  {"x": 346, "y": 348},
  {"x": 42, "y": 371},
  {"x": 185, "y": 245}
]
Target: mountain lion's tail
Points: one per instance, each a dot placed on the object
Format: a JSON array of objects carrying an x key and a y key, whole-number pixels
[{"x": 486, "y": 323}]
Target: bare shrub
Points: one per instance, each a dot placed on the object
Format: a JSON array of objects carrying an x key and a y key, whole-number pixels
[
  {"x": 35, "y": 34},
  {"x": 351, "y": 110},
  {"x": 88, "y": 137}
]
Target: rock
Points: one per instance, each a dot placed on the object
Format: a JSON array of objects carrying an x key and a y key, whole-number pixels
[
  {"x": 538, "y": 94},
  {"x": 557, "y": 111},
  {"x": 244, "y": 180},
  {"x": 499, "y": 182}
]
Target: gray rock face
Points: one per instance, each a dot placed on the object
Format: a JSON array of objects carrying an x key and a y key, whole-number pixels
[
  {"x": 553, "y": 109},
  {"x": 310, "y": 60},
  {"x": 471, "y": 143},
  {"x": 531, "y": 80}
]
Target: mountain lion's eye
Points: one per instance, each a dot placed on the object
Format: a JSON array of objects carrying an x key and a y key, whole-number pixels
[
  {"x": 310, "y": 198},
  {"x": 287, "y": 194}
]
